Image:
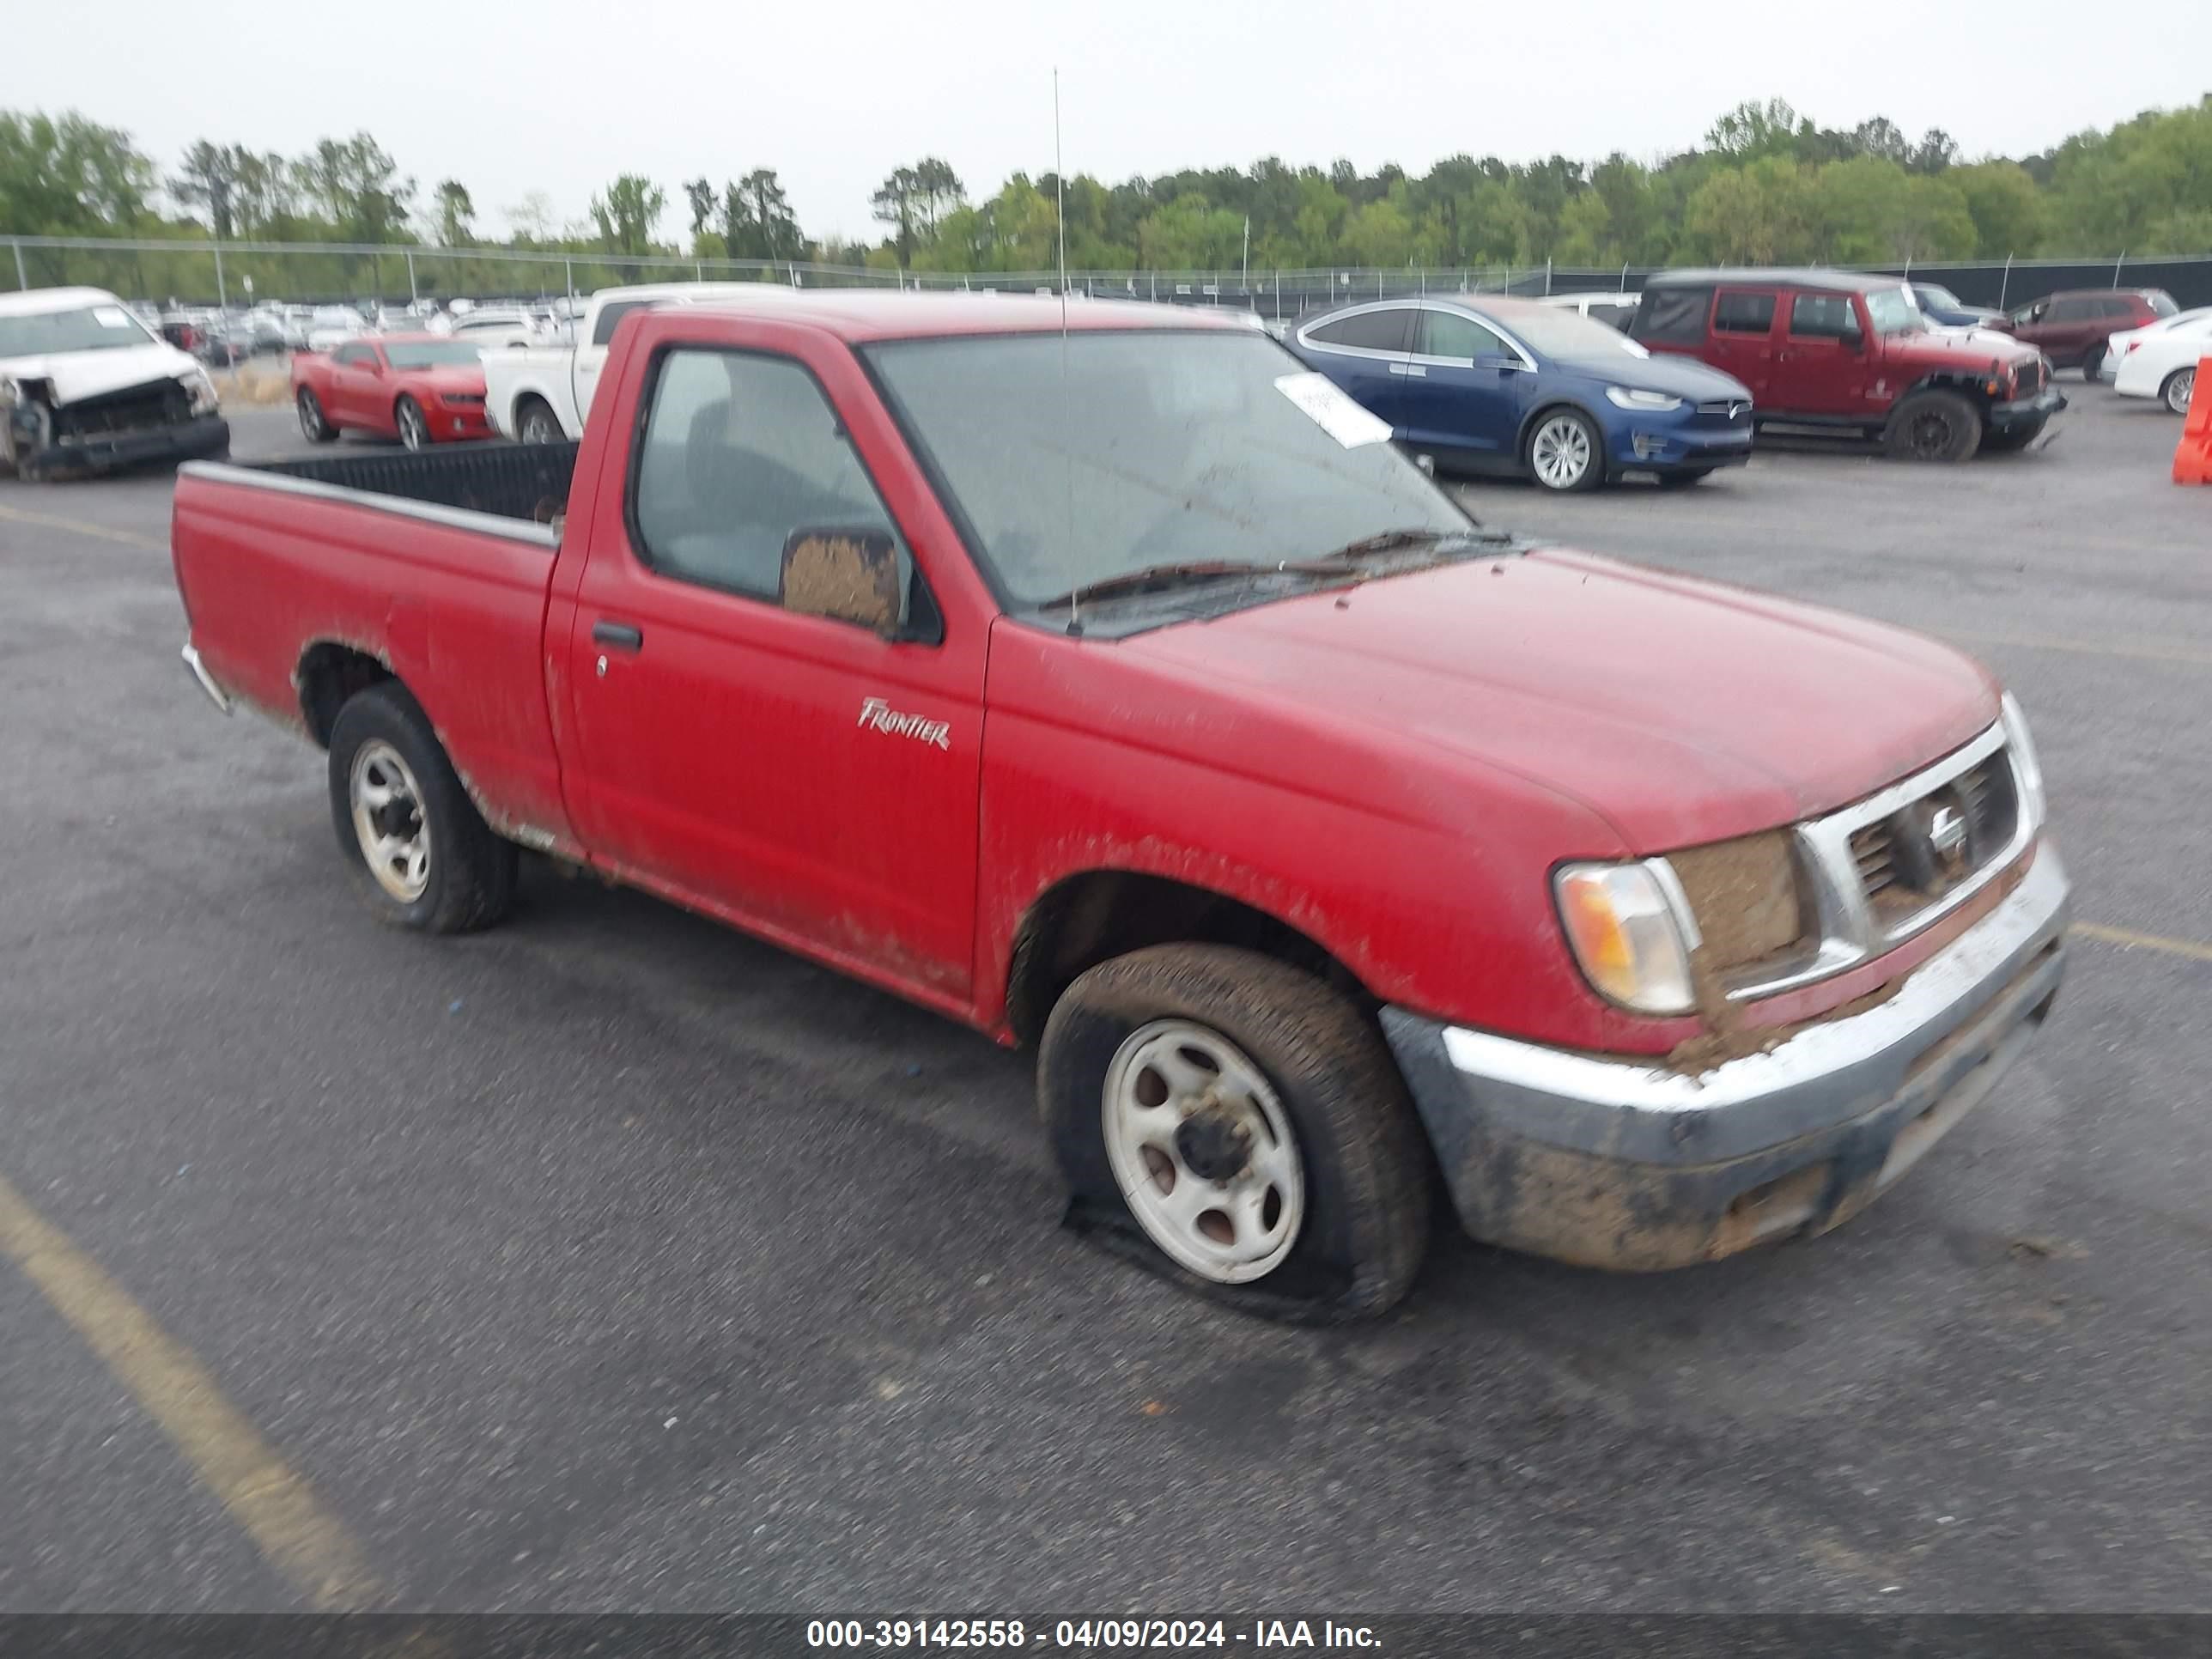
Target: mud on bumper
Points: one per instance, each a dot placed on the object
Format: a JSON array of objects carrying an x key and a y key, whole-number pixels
[{"x": 1626, "y": 1163}]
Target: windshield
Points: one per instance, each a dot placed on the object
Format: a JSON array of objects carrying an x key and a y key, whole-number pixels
[
  {"x": 2162, "y": 302},
  {"x": 87, "y": 328},
  {"x": 432, "y": 354},
  {"x": 1156, "y": 447},
  {"x": 1892, "y": 311},
  {"x": 1559, "y": 332},
  {"x": 1933, "y": 298}
]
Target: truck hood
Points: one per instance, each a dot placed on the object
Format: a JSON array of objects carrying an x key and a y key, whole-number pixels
[
  {"x": 79, "y": 374},
  {"x": 1972, "y": 347},
  {"x": 1680, "y": 711}
]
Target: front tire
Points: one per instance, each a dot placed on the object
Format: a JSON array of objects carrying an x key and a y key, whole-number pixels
[
  {"x": 1934, "y": 426},
  {"x": 2178, "y": 389},
  {"x": 1242, "y": 1125},
  {"x": 414, "y": 428},
  {"x": 315, "y": 425},
  {"x": 420, "y": 855},
  {"x": 1566, "y": 451}
]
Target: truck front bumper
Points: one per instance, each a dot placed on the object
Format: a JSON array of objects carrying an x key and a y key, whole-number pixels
[
  {"x": 2027, "y": 412},
  {"x": 1626, "y": 1163},
  {"x": 196, "y": 440}
]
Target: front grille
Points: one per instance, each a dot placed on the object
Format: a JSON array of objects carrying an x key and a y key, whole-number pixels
[
  {"x": 464, "y": 398},
  {"x": 2031, "y": 380},
  {"x": 1922, "y": 851},
  {"x": 143, "y": 408},
  {"x": 1738, "y": 408}
]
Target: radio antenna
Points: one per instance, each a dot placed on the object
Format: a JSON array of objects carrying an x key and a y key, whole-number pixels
[{"x": 1067, "y": 456}]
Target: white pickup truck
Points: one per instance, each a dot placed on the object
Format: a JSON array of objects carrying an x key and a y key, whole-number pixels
[{"x": 540, "y": 394}]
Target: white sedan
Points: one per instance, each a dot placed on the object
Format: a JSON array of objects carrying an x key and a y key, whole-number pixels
[{"x": 2161, "y": 360}]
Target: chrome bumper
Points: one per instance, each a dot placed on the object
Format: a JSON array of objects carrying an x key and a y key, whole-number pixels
[
  {"x": 1629, "y": 1163},
  {"x": 217, "y": 695}
]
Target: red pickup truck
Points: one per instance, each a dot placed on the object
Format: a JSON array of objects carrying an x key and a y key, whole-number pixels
[{"x": 1108, "y": 682}]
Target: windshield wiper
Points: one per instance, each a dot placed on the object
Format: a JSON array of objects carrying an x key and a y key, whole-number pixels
[
  {"x": 1172, "y": 573},
  {"x": 1394, "y": 541}
]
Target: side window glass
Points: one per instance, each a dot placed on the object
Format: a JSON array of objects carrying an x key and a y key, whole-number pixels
[
  {"x": 1370, "y": 331},
  {"x": 1743, "y": 313},
  {"x": 1674, "y": 314},
  {"x": 1448, "y": 334},
  {"x": 1822, "y": 316},
  {"x": 742, "y": 457},
  {"x": 611, "y": 314}
]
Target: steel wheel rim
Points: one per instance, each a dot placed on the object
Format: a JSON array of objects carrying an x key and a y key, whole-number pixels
[
  {"x": 1929, "y": 434},
  {"x": 411, "y": 431},
  {"x": 388, "y": 821},
  {"x": 1561, "y": 453},
  {"x": 2180, "y": 390},
  {"x": 311, "y": 416},
  {"x": 1204, "y": 1154}
]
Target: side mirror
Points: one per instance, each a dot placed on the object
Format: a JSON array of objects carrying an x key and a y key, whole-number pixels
[{"x": 853, "y": 576}]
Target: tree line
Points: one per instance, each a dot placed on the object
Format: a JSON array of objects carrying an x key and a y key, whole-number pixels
[{"x": 1768, "y": 184}]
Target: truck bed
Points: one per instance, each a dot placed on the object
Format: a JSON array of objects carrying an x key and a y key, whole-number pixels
[{"x": 509, "y": 481}]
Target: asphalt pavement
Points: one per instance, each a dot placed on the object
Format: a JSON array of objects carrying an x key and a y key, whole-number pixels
[{"x": 613, "y": 1261}]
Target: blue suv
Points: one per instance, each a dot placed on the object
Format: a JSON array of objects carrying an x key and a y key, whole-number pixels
[{"x": 1507, "y": 385}]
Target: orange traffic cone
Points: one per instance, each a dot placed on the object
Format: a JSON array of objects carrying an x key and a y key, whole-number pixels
[{"x": 2192, "y": 456}]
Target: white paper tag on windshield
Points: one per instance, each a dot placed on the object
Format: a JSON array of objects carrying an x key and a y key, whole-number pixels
[
  {"x": 111, "y": 316},
  {"x": 1332, "y": 411}
]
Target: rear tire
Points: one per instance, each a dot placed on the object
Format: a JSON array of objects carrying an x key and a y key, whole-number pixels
[
  {"x": 2092, "y": 363},
  {"x": 2177, "y": 389},
  {"x": 315, "y": 425},
  {"x": 534, "y": 423},
  {"x": 420, "y": 853},
  {"x": 1934, "y": 426},
  {"x": 1274, "y": 1094}
]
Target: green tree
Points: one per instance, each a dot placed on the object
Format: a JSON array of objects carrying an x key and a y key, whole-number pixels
[
  {"x": 64, "y": 175},
  {"x": 1758, "y": 214},
  {"x": 627, "y": 212},
  {"x": 699, "y": 195},
  {"x": 772, "y": 233},
  {"x": 356, "y": 187},
  {"x": 2007, "y": 209},
  {"x": 456, "y": 214},
  {"x": 208, "y": 178}
]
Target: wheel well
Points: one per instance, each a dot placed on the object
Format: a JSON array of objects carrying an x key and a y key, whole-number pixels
[
  {"x": 329, "y": 674},
  {"x": 1091, "y": 918},
  {"x": 1957, "y": 381}
]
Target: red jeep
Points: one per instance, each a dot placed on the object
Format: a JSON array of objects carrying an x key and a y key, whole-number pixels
[{"x": 1833, "y": 348}]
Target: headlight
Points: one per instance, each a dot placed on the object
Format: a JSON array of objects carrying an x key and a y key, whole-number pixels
[
  {"x": 1651, "y": 403},
  {"x": 1629, "y": 934},
  {"x": 201, "y": 391},
  {"x": 2024, "y": 763}
]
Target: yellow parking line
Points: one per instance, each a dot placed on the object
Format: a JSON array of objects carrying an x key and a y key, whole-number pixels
[
  {"x": 2084, "y": 648},
  {"x": 297, "y": 1535},
  {"x": 18, "y": 515},
  {"x": 2132, "y": 940}
]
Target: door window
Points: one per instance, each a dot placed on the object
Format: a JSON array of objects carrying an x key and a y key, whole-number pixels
[
  {"x": 1743, "y": 313},
  {"x": 1674, "y": 315},
  {"x": 355, "y": 357},
  {"x": 1822, "y": 316},
  {"x": 2068, "y": 311},
  {"x": 611, "y": 314},
  {"x": 739, "y": 452},
  {"x": 1450, "y": 334},
  {"x": 1367, "y": 330}
]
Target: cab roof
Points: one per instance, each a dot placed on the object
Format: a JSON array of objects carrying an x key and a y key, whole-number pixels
[
  {"x": 30, "y": 301},
  {"x": 858, "y": 315},
  {"x": 1841, "y": 281}
]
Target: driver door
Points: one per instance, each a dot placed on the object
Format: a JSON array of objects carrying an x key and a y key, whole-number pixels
[{"x": 806, "y": 775}]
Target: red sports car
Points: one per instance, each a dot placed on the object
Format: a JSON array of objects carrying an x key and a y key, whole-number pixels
[{"x": 420, "y": 388}]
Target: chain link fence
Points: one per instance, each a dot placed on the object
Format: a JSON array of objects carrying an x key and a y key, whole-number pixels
[{"x": 234, "y": 274}]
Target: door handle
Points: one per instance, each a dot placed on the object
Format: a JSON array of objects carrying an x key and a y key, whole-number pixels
[{"x": 617, "y": 636}]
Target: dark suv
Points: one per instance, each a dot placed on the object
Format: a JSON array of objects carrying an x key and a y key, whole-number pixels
[
  {"x": 2071, "y": 328},
  {"x": 1834, "y": 348}
]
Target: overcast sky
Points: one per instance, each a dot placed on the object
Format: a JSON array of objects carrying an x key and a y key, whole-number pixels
[{"x": 560, "y": 95}]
